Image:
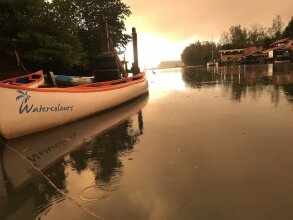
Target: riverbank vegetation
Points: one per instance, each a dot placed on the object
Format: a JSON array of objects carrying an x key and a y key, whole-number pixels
[
  {"x": 59, "y": 35},
  {"x": 237, "y": 37}
]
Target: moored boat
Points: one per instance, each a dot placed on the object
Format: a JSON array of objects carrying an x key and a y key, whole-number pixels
[
  {"x": 282, "y": 61},
  {"x": 212, "y": 63},
  {"x": 33, "y": 80},
  {"x": 65, "y": 81},
  {"x": 27, "y": 109}
]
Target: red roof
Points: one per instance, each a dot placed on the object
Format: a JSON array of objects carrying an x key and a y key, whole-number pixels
[
  {"x": 252, "y": 50},
  {"x": 280, "y": 41},
  {"x": 274, "y": 48}
]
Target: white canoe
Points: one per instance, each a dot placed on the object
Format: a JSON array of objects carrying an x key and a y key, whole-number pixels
[
  {"x": 26, "y": 110},
  {"x": 45, "y": 148}
]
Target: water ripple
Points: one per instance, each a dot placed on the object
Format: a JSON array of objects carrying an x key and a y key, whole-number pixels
[{"x": 93, "y": 193}]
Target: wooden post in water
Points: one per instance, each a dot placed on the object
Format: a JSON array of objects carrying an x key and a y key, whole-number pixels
[
  {"x": 125, "y": 63},
  {"x": 135, "y": 67},
  {"x": 104, "y": 35}
]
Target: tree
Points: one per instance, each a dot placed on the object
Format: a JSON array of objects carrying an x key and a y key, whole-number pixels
[
  {"x": 257, "y": 35},
  {"x": 59, "y": 35},
  {"x": 87, "y": 14},
  {"x": 40, "y": 35},
  {"x": 225, "y": 41},
  {"x": 288, "y": 32},
  {"x": 237, "y": 37},
  {"x": 199, "y": 53},
  {"x": 276, "y": 29}
]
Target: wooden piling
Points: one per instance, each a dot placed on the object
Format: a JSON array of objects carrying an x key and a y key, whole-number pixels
[
  {"x": 135, "y": 67},
  {"x": 125, "y": 63},
  {"x": 104, "y": 34}
]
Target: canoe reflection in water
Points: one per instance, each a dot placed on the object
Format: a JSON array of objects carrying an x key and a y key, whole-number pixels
[{"x": 93, "y": 144}]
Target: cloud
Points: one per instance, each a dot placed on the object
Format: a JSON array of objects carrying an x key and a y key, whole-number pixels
[{"x": 179, "y": 20}]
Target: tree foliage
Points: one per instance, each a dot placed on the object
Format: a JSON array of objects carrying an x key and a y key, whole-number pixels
[
  {"x": 237, "y": 37},
  {"x": 257, "y": 35},
  {"x": 288, "y": 32},
  {"x": 59, "y": 35},
  {"x": 199, "y": 53},
  {"x": 276, "y": 29}
]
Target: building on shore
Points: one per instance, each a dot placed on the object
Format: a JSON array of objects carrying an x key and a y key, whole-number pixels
[
  {"x": 280, "y": 51},
  {"x": 246, "y": 55},
  {"x": 253, "y": 55},
  {"x": 232, "y": 56}
]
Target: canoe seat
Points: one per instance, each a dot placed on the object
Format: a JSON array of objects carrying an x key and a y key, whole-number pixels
[{"x": 52, "y": 79}]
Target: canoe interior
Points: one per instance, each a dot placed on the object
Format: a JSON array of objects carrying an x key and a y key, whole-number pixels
[
  {"x": 114, "y": 82},
  {"x": 26, "y": 80}
]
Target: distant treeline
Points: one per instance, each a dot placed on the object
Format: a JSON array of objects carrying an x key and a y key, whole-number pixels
[
  {"x": 59, "y": 35},
  {"x": 170, "y": 64},
  {"x": 237, "y": 37}
]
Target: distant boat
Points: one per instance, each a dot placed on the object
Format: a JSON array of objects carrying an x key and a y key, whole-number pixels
[
  {"x": 26, "y": 108},
  {"x": 282, "y": 61},
  {"x": 212, "y": 62}
]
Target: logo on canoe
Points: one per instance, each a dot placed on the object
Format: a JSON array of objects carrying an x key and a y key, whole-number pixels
[{"x": 25, "y": 107}]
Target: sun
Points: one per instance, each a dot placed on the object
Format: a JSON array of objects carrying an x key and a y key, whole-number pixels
[{"x": 153, "y": 49}]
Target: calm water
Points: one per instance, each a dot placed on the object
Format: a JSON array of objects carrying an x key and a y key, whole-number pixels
[{"x": 205, "y": 144}]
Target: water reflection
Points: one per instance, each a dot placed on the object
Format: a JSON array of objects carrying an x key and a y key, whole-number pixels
[
  {"x": 244, "y": 80},
  {"x": 91, "y": 148}
]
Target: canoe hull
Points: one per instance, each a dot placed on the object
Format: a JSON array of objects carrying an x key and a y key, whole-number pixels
[
  {"x": 60, "y": 141},
  {"x": 32, "y": 110}
]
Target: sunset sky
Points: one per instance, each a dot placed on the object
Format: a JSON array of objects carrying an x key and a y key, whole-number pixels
[{"x": 166, "y": 27}]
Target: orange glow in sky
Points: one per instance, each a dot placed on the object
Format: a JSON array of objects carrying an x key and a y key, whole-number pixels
[
  {"x": 166, "y": 27},
  {"x": 154, "y": 48}
]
